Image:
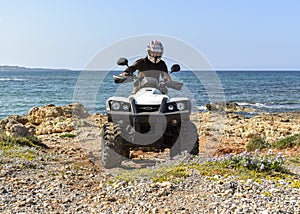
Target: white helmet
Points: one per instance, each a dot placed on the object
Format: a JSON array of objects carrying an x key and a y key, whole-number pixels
[{"x": 155, "y": 51}]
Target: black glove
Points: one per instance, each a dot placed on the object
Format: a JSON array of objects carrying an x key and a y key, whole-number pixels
[{"x": 129, "y": 71}]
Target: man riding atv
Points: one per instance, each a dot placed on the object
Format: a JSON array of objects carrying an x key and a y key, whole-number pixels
[
  {"x": 148, "y": 119},
  {"x": 150, "y": 66}
]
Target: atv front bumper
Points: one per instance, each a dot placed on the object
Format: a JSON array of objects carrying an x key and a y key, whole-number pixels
[{"x": 134, "y": 119}]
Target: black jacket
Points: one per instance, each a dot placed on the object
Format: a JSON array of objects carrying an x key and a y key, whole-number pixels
[{"x": 146, "y": 68}]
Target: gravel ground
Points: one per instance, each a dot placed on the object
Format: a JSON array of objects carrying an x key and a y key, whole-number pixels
[
  {"x": 199, "y": 194},
  {"x": 66, "y": 181},
  {"x": 67, "y": 178},
  {"x": 86, "y": 192}
]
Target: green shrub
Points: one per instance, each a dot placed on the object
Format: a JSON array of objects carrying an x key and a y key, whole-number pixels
[
  {"x": 19, "y": 153},
  {"x": 30, "y": 141},
  {"x": 287, "y": 142},
  {"x": 257, "y": 142},
  {"x": 67, "y": 135},
  {"x": 171, "y": 174}
]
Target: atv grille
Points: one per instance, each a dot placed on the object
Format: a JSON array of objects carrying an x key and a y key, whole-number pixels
[{"x": 147, "y": 108}]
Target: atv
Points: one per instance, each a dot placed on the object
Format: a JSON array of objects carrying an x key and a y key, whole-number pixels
[{"x": 149, "y": 120}]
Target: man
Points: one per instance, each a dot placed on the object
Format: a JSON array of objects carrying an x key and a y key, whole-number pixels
[{"x": 150, "y": 66}]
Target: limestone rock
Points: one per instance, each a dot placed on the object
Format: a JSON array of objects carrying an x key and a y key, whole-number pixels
[
  {"x": 228, "y": 107},
  {"x": 38, "y": 115},
  {"x": 14, "y": 125},
  {"x": 44, "y": 120},
  {"x": 18, "y": 130},
  {"x": 55, "y": 126},
  {"x": 238, "y": 130},
  {"x": 13, "y": 119}
]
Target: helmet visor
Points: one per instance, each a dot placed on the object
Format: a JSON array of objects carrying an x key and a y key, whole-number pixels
[{"x": 155, "y": 54}]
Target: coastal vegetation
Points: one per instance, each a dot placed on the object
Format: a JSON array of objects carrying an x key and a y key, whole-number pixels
[
  {"x": 244, "y": 166},
  {"x": 17, "y": 153},
  {"x": 67, "y": 135},
  {"x": 287, "y": 142},
  {"x": 8, "y": 141},
  {"x": 257, "y": 142}
]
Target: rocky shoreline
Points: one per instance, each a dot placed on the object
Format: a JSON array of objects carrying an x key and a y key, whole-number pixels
[
  {"x": 221, "y": 124},
  {"x": 67, "y": 177}
]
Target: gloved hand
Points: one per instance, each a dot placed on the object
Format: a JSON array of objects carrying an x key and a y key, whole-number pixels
[
  {"x": 127, "y": 72},
  {"x": 124, "y": 74},
  {"x": 130, "y": 70}
]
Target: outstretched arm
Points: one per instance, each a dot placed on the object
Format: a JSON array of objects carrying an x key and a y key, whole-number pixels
[{"x": 131, "y": 69}]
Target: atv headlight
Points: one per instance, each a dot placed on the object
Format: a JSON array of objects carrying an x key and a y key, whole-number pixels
[
  {"x": 170, "y": 107},
  {"x": 125, "y": 107},
  {"x": 181, "y": 106},
  {"x": 116, "y": 106}
]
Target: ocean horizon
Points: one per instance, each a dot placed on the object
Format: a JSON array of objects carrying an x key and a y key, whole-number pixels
[{"x": 262, "y": 90}]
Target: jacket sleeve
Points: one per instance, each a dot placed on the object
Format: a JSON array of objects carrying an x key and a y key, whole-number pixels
[{"x": 131, "y": 69}]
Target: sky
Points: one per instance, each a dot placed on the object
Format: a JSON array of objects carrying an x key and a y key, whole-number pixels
[{"x": 231, "y": 34}]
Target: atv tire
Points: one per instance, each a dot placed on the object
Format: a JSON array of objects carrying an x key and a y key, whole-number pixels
[
  {"x": 186, "y": 141},
  {"x": 112, "y": 151}
]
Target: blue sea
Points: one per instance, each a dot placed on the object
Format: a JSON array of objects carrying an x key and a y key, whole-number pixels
[{"x": 266, "y": 91}]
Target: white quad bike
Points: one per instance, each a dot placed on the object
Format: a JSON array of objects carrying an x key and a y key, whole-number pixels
[{"x": 148, "y": 120}]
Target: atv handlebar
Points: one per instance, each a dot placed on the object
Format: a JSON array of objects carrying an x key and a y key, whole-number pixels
[
  {"x": 174, "y": 85},
  {"x": 125, "y": 79}
]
